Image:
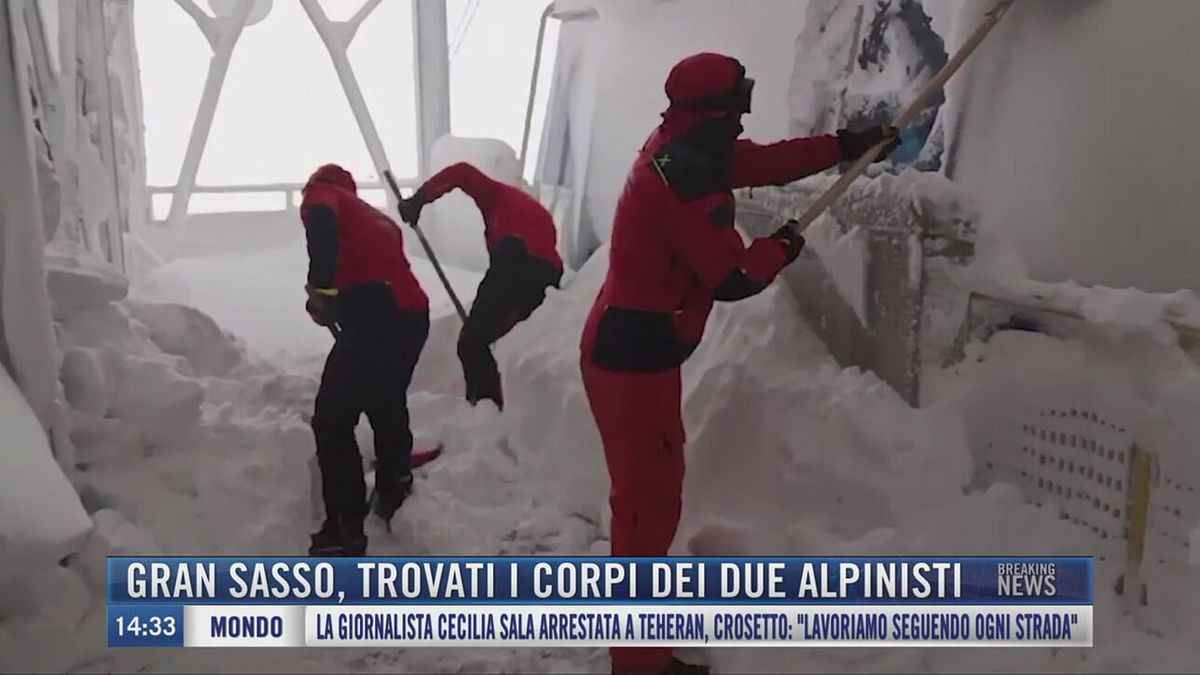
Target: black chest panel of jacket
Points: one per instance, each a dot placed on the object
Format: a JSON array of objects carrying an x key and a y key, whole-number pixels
[
  {"x": 645, "y": 341},
  {"x": 690, "y": 172}
]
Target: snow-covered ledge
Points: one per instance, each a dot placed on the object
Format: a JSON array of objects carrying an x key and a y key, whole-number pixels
[{"x": 862, "y": 283}]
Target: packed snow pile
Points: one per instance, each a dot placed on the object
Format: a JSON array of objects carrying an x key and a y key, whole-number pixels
[
  {"x": 453, "y": 224},
  {"x": 258, "y": 294},
  {"x": 183, "y": 444},
  {"x": 1118, "y": 310},
  {"x": 790, "y": 454},
  {"x": 41, "y": 519},
  {"x": 187, "y": 443}
]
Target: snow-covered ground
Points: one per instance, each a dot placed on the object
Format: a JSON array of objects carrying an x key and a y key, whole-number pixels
[
  {"x": 256, "y": 293},
  {"x": 788, "y": 453}
]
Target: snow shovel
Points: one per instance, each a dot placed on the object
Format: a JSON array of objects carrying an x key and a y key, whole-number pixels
[
  {"x": 907, "y": 117},
  {"x": 458, "y": 306}
]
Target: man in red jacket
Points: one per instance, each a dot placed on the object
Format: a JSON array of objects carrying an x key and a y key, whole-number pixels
[
  {"x": 674, "y": 251},
  {"x": 524, "y": 262},
  {"x": 360, "y": 285}
]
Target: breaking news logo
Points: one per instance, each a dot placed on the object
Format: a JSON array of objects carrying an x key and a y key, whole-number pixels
[{"x": 600, "y": 602}]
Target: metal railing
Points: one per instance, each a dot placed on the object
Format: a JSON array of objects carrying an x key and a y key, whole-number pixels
[{"x": 290, "y": 191}]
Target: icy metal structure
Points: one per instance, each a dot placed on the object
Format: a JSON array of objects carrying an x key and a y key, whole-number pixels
[
  {"x": 873, "y": 59},
  {"x": 900, "y": 237},
  {"x": 222, "y": 32},
  {"x": 27, "y": 348}
]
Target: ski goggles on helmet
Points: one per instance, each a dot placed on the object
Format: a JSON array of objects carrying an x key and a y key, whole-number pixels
[{"x": 735, "y": 100}]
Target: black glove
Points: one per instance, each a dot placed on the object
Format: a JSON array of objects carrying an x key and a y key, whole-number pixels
[
  {"x": 321, "y": 307},
  {"x": 855, "y": 144},
  {"x": 793, "y": 242},
  {"x": 410, "y": 209}
]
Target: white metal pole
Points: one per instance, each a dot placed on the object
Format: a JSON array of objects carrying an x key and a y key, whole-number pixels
[
  {"x": 337, "y": 36},
  {"x": 533, "y": 81},
  {"x": 227, "y": 31},
  {"x": 431, "y": 54}
]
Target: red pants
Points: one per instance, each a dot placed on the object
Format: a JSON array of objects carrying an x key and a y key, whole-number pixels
[{"x": 641, "y": 425}]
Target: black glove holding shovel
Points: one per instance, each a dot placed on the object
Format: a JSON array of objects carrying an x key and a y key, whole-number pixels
[
  {"x": 410, "y": 209},
  {"x": 793, "y": 241},
  {"x": 855, "y": 144}
]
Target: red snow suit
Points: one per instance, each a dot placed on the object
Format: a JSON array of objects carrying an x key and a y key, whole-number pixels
[
  {"x": 507, "y": 210},
  {"x": 352, "y": 242},
  {"x": 674, "y": 251}
]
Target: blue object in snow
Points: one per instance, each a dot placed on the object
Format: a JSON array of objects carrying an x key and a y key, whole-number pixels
[{"x": 910, "y": 147}]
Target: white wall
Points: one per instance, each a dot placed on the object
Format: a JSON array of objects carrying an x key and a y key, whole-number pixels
[
  {"x": 629, "y": 52},
  {"x": 1080, "y": 140},
  {"x": 27, "y": 347}
]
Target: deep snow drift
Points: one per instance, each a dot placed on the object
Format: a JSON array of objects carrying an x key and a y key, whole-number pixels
[
  {"x": 787, "y": 454},
  {"x": 259, "y": 295}
]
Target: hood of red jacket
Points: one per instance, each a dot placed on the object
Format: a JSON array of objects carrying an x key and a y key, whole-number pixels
[
  {"x": 697, "y": 77},
  {"x": 332, "y": 174}
]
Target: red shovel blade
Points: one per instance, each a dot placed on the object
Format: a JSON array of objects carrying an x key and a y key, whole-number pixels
[{"x": 422, "y": 457}]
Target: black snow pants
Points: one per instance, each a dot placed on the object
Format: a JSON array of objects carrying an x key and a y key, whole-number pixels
[
  {"x": 513, "y": 287},
  {"x": 368, "y": 371}
]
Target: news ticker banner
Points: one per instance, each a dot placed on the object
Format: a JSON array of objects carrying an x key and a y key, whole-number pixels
[{"x": 600, "y": 602}]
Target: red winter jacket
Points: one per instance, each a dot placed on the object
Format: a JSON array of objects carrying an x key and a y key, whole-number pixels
[
  {"x": 351, "y": 242},
  {"x": 674, "y": 247},
  {"x": 506, "y": 210}
]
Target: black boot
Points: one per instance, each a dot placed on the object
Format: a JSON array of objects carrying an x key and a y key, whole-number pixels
[
  {"x": 390, "y": 493},
  {"x": 338, "y": 537},
  {"x": 496, "y": 397}
]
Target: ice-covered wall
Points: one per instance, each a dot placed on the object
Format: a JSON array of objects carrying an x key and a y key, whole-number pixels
[
  {"x": 1078, "y": 138},
  {"x": 859, "y": 63},
  {"x": 1072, "y": 126},
  {"x": 611, "y": 72},
  {"x": 70, "y": 177},
  {"x": 26, "y": 342},
  {"x": 90, "y": 125}
]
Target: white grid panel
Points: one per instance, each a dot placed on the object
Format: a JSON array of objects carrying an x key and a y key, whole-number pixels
[
  {"x": 1048, "y": 418},
  {"x": 1066, "y": 453}
]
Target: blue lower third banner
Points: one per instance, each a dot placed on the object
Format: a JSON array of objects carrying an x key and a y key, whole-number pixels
[{"x": 600, "y": 602}]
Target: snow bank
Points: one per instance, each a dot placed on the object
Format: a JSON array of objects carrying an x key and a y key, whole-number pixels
[
  {"x": 41, "y": 519},
  {"x": 549, "y": 421},
  {"x": 257, "y": 294},
  {"x": 187, "y": 332},
  {"x": 76, "y": 283},
  {"x": 453, "y": 224},
  {"x": 790, "y": 454},
  {"x": 1117, "y": 311}
]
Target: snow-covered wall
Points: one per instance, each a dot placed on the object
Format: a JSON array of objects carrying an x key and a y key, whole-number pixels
[
  {"x": 1072, "y": 126},
  {"x": 70, "y": 179},
  {"x": 610, "y": 76},
  {"x": 26, "y": 342},
  {"x": 1078, "y": 138}
]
